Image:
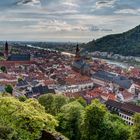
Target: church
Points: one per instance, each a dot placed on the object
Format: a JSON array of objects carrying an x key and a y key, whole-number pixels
[
  {"x": 79, "y": 64},
  {"x": 15, "y": 57}
]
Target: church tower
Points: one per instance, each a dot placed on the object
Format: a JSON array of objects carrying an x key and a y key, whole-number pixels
[
  {"x": 6, "y": 50},
  {"x": 77, "y": 54}
]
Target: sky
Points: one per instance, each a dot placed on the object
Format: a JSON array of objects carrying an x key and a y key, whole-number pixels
[{"x": 66, "y": 20}]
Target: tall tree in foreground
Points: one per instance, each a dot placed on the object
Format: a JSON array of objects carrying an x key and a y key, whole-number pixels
[
  {"x": 136, "y": 128},
  {"x": 69, "y": 120},
  {"x": 99, "y": 124},
  {"x": 52, "y": 102},
  {"x": 59, "y": 101},
  {"x": 47, "y": 101},
  {"x": 92, "y": 121},
  {"x": 26, "y": 119}
]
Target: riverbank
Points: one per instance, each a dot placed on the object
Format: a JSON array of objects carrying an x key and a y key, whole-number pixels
[{"x": 118, "y": 63}]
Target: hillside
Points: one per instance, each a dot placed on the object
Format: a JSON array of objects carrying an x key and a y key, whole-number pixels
[{"x": 127, "y": 43}]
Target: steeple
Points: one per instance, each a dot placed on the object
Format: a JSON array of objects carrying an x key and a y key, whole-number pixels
[
  {"x": 77, "y": 49},
  {"x": 6, "y": 51},
  {"x": 77, "y": 55}
]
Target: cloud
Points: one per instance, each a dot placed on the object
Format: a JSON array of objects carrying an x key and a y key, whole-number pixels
[
  {"x": 66, "y": 19},
  {"x": 99, "y": 29},
  {"x": 28, "y": 3},
  {"x": 70, "y": 4},
  {"x": 128, "y": 11},
  {"x": 105, "y": 4},
  {"x": 56, "y": 26}
]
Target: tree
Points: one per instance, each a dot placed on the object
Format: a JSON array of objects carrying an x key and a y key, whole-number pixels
[
  {"x": 3, "y": 69},
  {"x": 92, "y": 120},
  {"x": 28, "y": 119},
  {"x": 59, "y": 101},
  {"x": 69, "y": 120},
  {"x": 9, "y": 89},
  {"x": 136, "y": 128},
  {"x": 114, "y": 128},
  {"x": 20, "y": 79},
  {"x": 52, "y": 102},
  {"x": 22, "y": 98},
  {"x": 82, "y": 101},
  {"x": 6, "y": 132},
  {"x": 99, "y": 124},
  {"x": 47, "y": 101}
]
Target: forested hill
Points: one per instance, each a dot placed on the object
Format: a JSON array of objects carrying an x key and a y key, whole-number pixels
[{"x": 127, "y": 43}]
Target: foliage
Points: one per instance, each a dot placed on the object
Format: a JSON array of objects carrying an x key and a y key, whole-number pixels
[
  {"x": 138, "y": 102},
  {"x": 82, "y": 101},
  {"x": 52, "y": 103},
  {"x": 92, "y": 120},
  {"x": 99, "y": 124},
  {"x": 136, "y": 128},
  {"x": 114, "y": 128},
  {"x": 127, "y": 43},
  {"x": 47, "y": 101},
  {"x": 9, "y": 89},
  {"x": 6, "y": 132},
  {"x": 20, "y": 79},
  {"x": 3, "y": 69},
  {"x": 69, "y": 120},
  {"x": 59, "y": 101},
  {"x": 27, "y": 119},
  {"x": 22, "y": 98}
]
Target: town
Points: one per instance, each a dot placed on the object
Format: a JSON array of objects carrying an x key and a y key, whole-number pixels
[{"x": 32, "y": 72}]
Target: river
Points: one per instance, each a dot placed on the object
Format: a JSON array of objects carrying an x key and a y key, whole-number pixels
[{"x": 113, "y": 62}]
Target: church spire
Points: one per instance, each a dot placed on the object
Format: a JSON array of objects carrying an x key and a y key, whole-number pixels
[
  {"x": 77, "y": 55},
  {"x": 77, "y": 49},
  {"x": 6, "y": 51}
]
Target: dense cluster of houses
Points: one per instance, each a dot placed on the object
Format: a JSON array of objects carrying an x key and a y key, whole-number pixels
[{"x": 40, "y": 72}]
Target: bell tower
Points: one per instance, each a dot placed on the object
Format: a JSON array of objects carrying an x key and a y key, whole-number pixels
[
  {"x": 77, "y": 54},
  {"x": 6, "y": 50}
]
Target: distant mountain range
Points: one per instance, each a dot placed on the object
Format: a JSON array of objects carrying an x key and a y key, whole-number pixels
[{"x": 127, "y": 43}]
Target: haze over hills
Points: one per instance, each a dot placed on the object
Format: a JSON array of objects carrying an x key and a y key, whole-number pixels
[{"x": 127, "y": 43}]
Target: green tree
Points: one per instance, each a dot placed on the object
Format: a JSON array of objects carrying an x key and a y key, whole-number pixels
[
  {"x": 59, "y": 101},
  {"x": 22, "y": 98},
  {"x": 47, "y": 101},
  {"x": 99, "y": 124},
  {"x": 114, "y": 128},
  {"x": 3, "y": 69},
  {"x": 28, "y": 119},
  {"x": 52, "y": 102},
  {"x": 136, "y": 128},
  {"x": 69, "y": 120},
  {"x": 20, "y": 79},
  {"x": 9, "y": 89},
  {"x": 92, "y": 120},
  {"x": 6, "y": 132},
  {"x": 82, "y": 101}
]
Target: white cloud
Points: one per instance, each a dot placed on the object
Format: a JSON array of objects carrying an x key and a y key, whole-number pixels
[
  {"x": 29, "y": 3},
  {"x": 56, "y": 26},
  {"x": 105, "y": 4},
  {"x": 70, "y": 4},
  {"x": 128, "y": 11}
]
